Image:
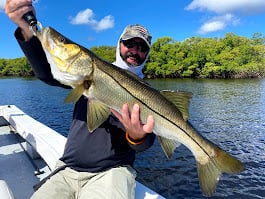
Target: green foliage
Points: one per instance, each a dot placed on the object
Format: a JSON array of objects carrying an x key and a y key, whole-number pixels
[
  {"x": 15, "y": 67},
  {"x": 21, "y": 67},
  {"x": 229, "y": 57},
  {"x": 105, "y": 52}
]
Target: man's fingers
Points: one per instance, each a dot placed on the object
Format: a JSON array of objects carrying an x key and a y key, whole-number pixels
[
  {"x": 150, "y": 123},
  {"x": 125, "y": 113},
  {"x": 135, "y": 116}
]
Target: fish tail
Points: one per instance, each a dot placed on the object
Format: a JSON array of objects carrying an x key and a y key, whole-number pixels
[{"x": 210, "y": 172}]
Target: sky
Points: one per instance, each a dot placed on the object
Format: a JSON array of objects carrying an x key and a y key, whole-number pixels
[{"x": 101, "y": 22}]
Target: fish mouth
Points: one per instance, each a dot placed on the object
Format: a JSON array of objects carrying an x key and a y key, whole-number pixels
[
  {"x": 45, "y": 34},
  {"x": 46, "y": 39},
  {"x": 42, "y": 34}
]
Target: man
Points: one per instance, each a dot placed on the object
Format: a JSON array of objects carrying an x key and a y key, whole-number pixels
[{"x": 98, "y": 164}]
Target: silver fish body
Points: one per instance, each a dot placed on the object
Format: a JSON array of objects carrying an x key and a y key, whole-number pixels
[{"x": 109, "y": 87}]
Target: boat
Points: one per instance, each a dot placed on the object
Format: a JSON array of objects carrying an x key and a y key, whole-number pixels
[{"x": 28, "y": 153}]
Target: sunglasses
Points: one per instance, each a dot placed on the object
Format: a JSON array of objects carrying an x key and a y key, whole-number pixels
[{"x": 131, "y": 43}]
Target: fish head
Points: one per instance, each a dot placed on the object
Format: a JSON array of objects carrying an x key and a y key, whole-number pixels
[{"x": 69, "y": 61}]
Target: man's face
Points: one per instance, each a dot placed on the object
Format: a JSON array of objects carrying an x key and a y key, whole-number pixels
[{"x": 133, "y": 51}]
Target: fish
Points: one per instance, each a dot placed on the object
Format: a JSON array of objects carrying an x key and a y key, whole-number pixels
[{"x": 109, "y": 87}]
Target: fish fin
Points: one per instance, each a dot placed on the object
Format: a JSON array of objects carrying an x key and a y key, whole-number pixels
[
  {"x": 75, "y": 94},
  {"x": 181, "y": 100},
  {"x": 168, "y": 146},
  {"x": 97, "y": 114},
  {"x": 210, "y": 172}
]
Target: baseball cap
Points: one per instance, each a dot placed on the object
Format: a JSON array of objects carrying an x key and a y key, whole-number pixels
[{"x": 137, "y": 30}]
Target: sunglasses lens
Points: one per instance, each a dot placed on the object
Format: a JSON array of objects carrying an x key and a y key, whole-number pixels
[
  {"x": 129, "y": 43},
  {"x": 142, "y": 46}
]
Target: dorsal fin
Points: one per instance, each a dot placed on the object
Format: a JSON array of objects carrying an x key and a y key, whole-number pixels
[{"x": 181, "y": 99}]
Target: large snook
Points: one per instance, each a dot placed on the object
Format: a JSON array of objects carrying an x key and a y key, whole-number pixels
[{"x": 108, "y": 86}]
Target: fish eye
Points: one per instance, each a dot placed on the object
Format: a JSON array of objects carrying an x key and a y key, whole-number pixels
[{"x": 61, "y": 39}]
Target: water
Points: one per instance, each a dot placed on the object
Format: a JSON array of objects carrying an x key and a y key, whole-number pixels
[
  {"x": 230, "y": 113},
  {"x": 42, "y": 102}
]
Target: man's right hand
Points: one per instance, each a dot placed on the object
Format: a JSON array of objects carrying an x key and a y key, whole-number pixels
[{"x": 15, "y": 9}]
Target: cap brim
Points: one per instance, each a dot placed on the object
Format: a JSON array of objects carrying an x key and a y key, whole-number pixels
[{"x": 128, "y": 36}]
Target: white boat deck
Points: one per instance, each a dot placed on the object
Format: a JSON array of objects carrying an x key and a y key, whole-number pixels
[
  {"x": 16, "y": 169},
  {"x": 43, "y": 144}
]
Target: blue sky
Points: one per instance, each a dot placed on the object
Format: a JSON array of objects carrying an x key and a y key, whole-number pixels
[{"x": 100, "y": 22}]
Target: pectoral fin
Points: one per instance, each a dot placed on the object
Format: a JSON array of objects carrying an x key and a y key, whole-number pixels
[
  {"x": 181, "y": 100},
  {"x": 168, "y": 145},
  {"x": 97, "y": 113},
  {"x": 75, "y": 94}
]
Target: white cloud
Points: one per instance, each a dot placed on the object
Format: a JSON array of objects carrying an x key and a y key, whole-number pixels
[
  {"x": 226, "y": 11},
  {"x": 87, "y": 17},
  {"x": 83, "y": 17},
  {"x": 218, "y": 23},
  {"x": 229, "y": 6},
  {"x": 211, "y": 26},
  {"x": 105, "y": 23}
]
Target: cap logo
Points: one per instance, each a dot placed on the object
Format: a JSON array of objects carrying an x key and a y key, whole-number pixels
[{"x": 141, "y": 29}]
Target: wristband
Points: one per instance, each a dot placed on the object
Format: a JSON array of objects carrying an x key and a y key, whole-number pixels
[{"x": 132, "y": 142}]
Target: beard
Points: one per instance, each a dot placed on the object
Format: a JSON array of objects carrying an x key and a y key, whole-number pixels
[{"x": 136, "y": 57}]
